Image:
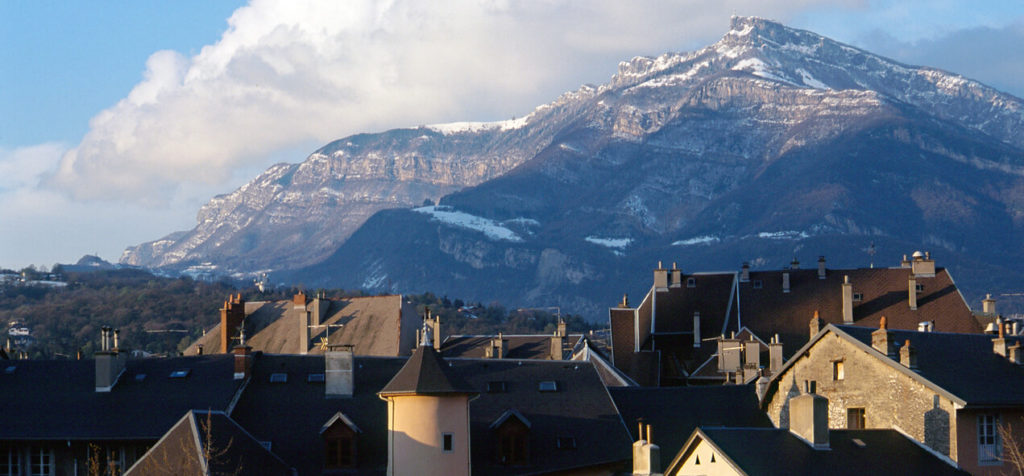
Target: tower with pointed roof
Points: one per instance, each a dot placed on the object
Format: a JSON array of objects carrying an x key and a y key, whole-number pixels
[{"x": 428, "y": 416}]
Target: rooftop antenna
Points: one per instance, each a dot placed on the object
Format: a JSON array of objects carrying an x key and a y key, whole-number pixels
[{"x": 871, "y": 253}]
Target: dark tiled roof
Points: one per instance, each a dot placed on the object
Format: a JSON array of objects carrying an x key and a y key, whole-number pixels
[
  {"x": 769, "y": 451},
  {"x": 231, "y": 450},
  {"x": 57, "y": 399},
  {"x": 291, "y": 414},
  {"x": 961, "y": 364},
  {"x": 518, "y": 346},
  {"x": 425, "y": 373},
  {"x": 674, "y": 412}
]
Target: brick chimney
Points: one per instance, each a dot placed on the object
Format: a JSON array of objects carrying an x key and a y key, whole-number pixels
[
  {"x": 821, "y": 267},
  {"x": 231, "y": 317},
  {"x": 815, "y": 324},
  {"x": 808, "y": 417},
  {"x": 745, "y": 272},
  {"x": 847, "y": 300},
  {"x": 785, "y": 281},
  {"x": 881, "y": 339},
  {"x": 339, "y": 374},
  {"x": 110, "y": 361},
  {"x": 988, "y": 305},
  {"x": 775, "y": 355},
  {"x": 912, "y": 292},
  {"x": 696, "y": 329},
  {"x": 677, "y": 276},
  {"x": 660, "y": 279},
  {"x": 243, "y": 361},
  {"x": 908, "y": 356},
  {"x": 646, "y": 454}
]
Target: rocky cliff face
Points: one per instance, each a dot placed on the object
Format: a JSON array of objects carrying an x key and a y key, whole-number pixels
[{"x": 769, "y": 143}]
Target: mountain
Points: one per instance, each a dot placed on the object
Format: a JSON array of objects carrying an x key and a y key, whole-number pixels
[{"x": 769, "y": 144}]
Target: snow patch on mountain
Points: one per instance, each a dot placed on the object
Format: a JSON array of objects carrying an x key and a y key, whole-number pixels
[
  {"x": 697, "y": 240},
  {"x": 488, "y": 227},
  {"x": 470, "y": 127},
  {"x": 617, "y": 243}
]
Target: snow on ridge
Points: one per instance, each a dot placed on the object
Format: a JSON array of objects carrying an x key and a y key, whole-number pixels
[
  {"x": 488, "y": 227},
  {"x": 616, "y": 243},
  {"x": 783, "y": 235},
  {"x": 697, "y": 240},
  {"x": 461, "y": 127}
]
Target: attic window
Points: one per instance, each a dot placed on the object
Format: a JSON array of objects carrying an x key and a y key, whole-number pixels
[
  {"x": 548, "y": 386},
  {"x": 497, "y": 387},
  {"x": 919, "y": 288},
  {"x": 10, "y": 369},
  {"x": 858, "y": 297},
  {"x": 140, "y": 377},
  {"x": 315, "y": 378},
  {"x": 691, "y": 282},
  {"x": 180, "y": 373},
  {"x": 565, "y": 443},
  {"x": 758, "y": 284},
  {"x": 278, "y": 377}
]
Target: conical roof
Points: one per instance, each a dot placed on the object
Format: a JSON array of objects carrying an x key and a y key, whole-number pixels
[{"x": 426, "y": 373}]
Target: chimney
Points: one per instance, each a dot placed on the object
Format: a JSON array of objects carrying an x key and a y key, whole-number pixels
[
  {"x": 988, "y": 305},
  {"x": 660, "y": 278},
  {"x": 905, "y": 263},
  {"x": 646, "y": 455},
  {"x": 556, "y": 347},
  {"x": 908, "y": 356},
  {"x": 821, "y": 267},
  {"x": 745, "y": 272},
  {"x": 231, "y": 317},
  {"x": 752, "y": 359},
  {"x": 436, "y": 325},
  {"x": 912, "y": 292},
  {"x": 808, "y": 417},
  {"x": 696, "y": 329},
  {"x": 302, "y": 320},
  {"x": 497, "y": 348},
  {"x": 922, "y": 265},
  {"x": 847, "y": 300},
  {"x": 785, "y": 281},
  {"x": 999, "y": 343},
  {"x": 110, "y": 363},
  {"x": 625, "y": 302},
  {"x": 243, "y": 361},
  {"x": 794, "y": 264},
  {"x": 816, "y": 325},
  {"x": 775, "y": 355},
  {"x": 729, "y": 356},
  {"x": 317, "y": 308},
  {"x": 677, "y": 276},
  {"x": 1014, "y": 353},
  {"x": 199, "y": 349},
  {"x": 339, "y": 373},
  {"x": 881, "y": 339}
]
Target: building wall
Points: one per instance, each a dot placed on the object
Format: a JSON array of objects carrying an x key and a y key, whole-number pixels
[
  {"x": 704, "y": 453},
  {"x": 416, "y": 424},
  {"x": 967, "y": 440},
  {"x": 889, "y": 398}
]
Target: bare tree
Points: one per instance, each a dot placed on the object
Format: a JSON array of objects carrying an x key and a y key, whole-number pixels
[{"x": 1012, "y": 447}]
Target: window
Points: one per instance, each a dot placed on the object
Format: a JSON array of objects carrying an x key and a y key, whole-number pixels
[
  {"x": 513, "y": 442},
  {"x": 315, "y": 378},
  {"x": 180, "y": 373},
  {"x": 548, "y": 386},
  {"x": 691, "y": 282},
  {"x": 10, "y": 461},
  {"x": 858, "y": 297},
  {"x": 341, "y": 452},
  {"x": 447, "y": 442},
  {"x": 855, "y": 419},
  {"x": 41, "y": 462},
  {"x": 919, "y": 288},
  {"x": 565, "y": 443},
  {"x": 496, "y": 387},
  {"x": 140, "y": 377},
  {"x": 989, "y": 450},
  {"x": 278, "y": 377},
  {"x": 838, "y": 372},
  {"x": 10, "y": 369},
  {"x": 758, "y": 284}
]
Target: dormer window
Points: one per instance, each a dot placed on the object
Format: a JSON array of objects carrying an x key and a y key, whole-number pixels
[
  {"x": 691, "y": 282},
  {"x": 340, "y": 438},
  {"x": 512, "y": 433}
]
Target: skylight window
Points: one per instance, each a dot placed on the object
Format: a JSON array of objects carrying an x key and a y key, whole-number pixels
[
  {"x": 10, "y": 369},
  {"x": 565, "y": 443},
  {"x": 278, "y": 377},
  {"x": 180, "y": 373},
  {"x": 496, "y": 387},
  {"x": 315, "y": 378},
  {"x": 548, "y": 386},
  {"x": 858, "y": 297},
  {"x": 140, "y": 377},
  {"x": 758, "y": 284}
]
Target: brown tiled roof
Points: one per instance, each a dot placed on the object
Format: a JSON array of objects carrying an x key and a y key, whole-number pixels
[{"x": 425, "y": 373}]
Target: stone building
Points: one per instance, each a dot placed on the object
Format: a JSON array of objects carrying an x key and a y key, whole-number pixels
[{"x": 950, "y": 392}]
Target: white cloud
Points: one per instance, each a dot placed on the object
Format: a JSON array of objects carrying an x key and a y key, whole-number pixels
[{"x": 288, "y": 72}]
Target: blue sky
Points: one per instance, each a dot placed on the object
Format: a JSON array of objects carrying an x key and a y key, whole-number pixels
[{"x": 119, "y": 119}]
